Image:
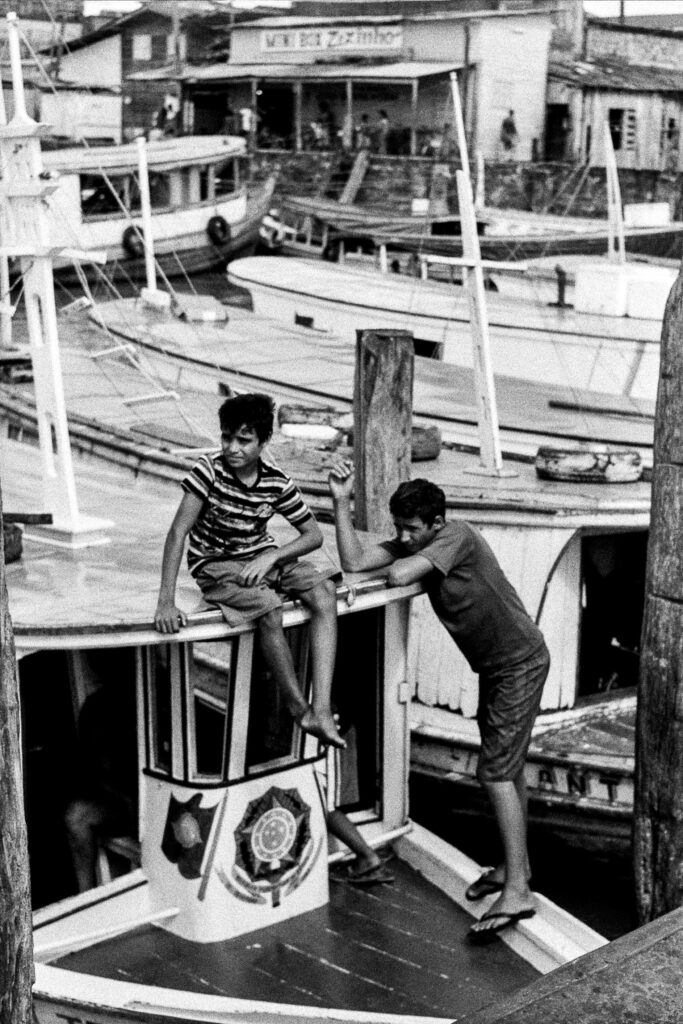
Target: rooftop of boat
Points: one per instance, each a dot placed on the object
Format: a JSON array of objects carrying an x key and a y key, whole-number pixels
[
  {"x": 159, "y": 434},
  {"x": 391, "y": 949},
  {"x": 294, "y": 364},
  {"x": 162, "y": 155},
  {"x": 362, "y": 286}
]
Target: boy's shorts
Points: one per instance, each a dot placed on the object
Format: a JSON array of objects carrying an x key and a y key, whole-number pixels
[
  {"x": 219, "y": 583},
  {"x": 508, "y": 704}
]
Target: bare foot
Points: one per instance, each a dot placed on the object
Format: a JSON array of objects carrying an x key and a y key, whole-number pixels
[{"x": 322, "y": 726}]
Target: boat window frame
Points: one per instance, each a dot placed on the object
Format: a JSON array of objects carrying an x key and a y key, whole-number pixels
[
  {"x": 190, "y": 739},
  {"x": 297, "y": 746},
  {"x": 124, "y": 195}
]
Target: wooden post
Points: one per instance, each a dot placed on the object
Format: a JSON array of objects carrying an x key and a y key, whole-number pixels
[
  {"x": 658, "y": 810},
  {"x": 382, "y": 415},
  {"x": 298, "y": 134},
  {"x": 413, "y": 116},
  {"x": 16, "y": 942}
]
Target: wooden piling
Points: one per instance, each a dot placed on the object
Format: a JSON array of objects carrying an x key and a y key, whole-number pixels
[
  {"x": 382, "y": 413},
  {"x": 16, "y": 941},
  {"x": 658, "y": 809}
]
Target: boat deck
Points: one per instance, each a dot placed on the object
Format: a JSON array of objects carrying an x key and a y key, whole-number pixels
[
  {"x": 250, "y": 352},
  {"x": 602, "y": 731},
  {"x": 397, "y": 948}
]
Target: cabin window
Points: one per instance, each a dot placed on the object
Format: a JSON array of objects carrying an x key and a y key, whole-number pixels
[
  {"x": 357, "y": 696},
  {"x": 225, "y": 178},
  {"x": 158, "y": 669},
  {"x": 205, "y": 183},
  {"x": 208, "y": 701},
  {"x": 612, "y": 602},
  {"x": 271, "y": 734},
  {"x": 622, "y": 126},
  {"x": 159, "y": 191},
  {"x": 101, "y": 196}
]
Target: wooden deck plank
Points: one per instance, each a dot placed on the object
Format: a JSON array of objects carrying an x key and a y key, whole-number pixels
[{"x": 394, "y": 949}]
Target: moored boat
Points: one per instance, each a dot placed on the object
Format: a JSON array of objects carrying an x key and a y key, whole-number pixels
[
  {"x": 615, "y": 355},
  {"x": 205, "y": 209},
  {"x": 230, "y": 911}
]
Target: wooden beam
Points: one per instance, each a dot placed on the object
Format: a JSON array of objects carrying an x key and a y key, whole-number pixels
[
  {"x": 413, "y": 116},
  {"x": 382, "y": 413},
  {"x": 16, "y": 941},
  {"x": 658, "y": 804},
  {"x": 298, "y": 90}
]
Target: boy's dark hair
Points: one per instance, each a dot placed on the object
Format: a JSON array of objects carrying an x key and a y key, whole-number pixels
[
  {"x": 255, "y": 411},
  {"x": 419, "y": 498}
]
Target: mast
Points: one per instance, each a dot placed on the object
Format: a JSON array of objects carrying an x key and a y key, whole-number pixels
[
  {"x": 616, "y": 249},
  {"x": 487, "y": 409},
  {"x": 24, "y": 229}
]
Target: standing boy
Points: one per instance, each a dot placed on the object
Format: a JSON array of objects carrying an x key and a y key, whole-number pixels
[
  {"x": 229, "y": 498},
  {"x": 478, "y": 606}
]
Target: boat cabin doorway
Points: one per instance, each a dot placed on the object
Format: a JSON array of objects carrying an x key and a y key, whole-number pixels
[{"x": 612, "y": 603}]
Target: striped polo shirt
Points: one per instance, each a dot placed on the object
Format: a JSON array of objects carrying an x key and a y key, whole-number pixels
[{"x": 233, "y": 521}]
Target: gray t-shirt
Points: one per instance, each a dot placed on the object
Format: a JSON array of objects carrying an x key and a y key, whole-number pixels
[{"x": 474, "y": 599}]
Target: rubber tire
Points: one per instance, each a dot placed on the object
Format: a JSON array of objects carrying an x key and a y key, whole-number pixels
[
  {"x": 132, "y": 242},
  {"x": 218, "y": 230}
]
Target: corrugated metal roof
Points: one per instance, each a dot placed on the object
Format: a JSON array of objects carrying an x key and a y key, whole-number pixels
[
  {"x": 616, "y": 75},
  {"x": 297, "y": 21},
  {"x": 400, "y": 71}
]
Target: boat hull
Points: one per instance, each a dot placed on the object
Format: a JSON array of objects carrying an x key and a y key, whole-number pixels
[{"x": 606, "y": 355}]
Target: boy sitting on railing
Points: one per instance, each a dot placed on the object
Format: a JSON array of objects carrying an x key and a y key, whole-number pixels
[{"x": 230, "y": 496}]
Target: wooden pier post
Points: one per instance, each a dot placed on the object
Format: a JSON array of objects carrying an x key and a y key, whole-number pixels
[
  {"x": 383, "y": 415},
  {"x": 16, "y": 941},
  {"x": 658, "y": 810}
]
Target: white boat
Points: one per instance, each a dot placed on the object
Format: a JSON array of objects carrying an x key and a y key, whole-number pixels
[
  {"x": 205, "y": 209},
  {"x": 548, "y": 535},
  {"x": 529, "y": 341},
  {"x": 243, "y": 930}
]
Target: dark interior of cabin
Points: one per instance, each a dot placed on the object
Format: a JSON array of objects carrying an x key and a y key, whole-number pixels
[
  {"x": 78, "y": 725},
  {"x": 612, "y": 602}
]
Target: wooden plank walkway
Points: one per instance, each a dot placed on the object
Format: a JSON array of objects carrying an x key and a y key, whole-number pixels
[{"x": 637, "y": 978}]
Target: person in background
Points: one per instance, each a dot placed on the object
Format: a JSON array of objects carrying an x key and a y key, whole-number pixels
[
  {"x": 484, "y": 615},
  {"x": 363, "y": 135},
  {"x": 105, "y": 792},
  {"x": 383, "y": 133},
  {"x": 508, "y": 137}
]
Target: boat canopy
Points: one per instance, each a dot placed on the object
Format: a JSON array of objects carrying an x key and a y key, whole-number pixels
[{"x": 162, "y": 155}]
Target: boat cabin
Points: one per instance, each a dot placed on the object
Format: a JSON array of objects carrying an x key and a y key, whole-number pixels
[
  {"x": 192, "y": 181},
  {"x": 232, "y": 795}
]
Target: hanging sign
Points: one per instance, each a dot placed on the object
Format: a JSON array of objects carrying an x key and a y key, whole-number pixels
[{"x": 340, "y": 39}]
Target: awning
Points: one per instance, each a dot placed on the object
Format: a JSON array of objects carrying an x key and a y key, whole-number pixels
[{"x": 402, "y": 72}]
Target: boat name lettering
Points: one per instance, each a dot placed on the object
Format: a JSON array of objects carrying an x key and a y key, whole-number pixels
[
  {"x": 362, "y": 37},
  {"x": 577, "y": 781}
]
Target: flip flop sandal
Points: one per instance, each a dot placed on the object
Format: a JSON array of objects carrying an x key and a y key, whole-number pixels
[
  {"x": 486, "y": 935},
  {"x": 341, "y": 872},
  {"x": 375, "y": 875},
  {"x": 485, "y": 885}
]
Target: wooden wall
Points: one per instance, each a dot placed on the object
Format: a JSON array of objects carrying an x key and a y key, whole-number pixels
[{"x": 544, "y": 566}]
